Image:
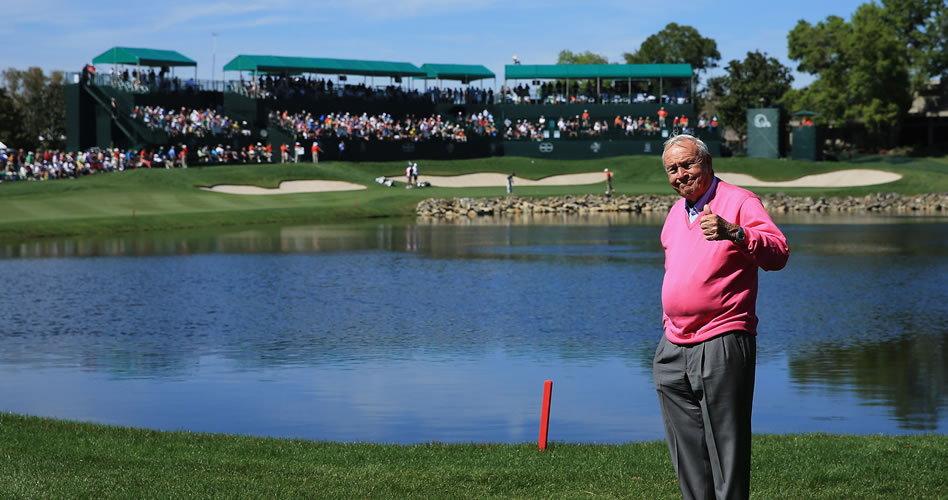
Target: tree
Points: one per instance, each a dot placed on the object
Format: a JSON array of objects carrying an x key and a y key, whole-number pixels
[
  {"x": 821, "y": 50},
  {"x": 568, "y": 57},
  {"x": 922, "y": 26},
  {"x": 746, "y": 83},
  {"x": 677, "y": 44},
  {"x": 11, "y": 130},
  {"x": 40, "y": 102},
  {"x": 879, "y": 78},
  {"x": 862, "y": 70}
]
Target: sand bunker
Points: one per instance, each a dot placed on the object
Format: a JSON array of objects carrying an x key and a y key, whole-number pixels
[
  {"x": 288, "y": 187},
  {"x": 839, "y": 178},
  {"x": 488, "y": 179}
]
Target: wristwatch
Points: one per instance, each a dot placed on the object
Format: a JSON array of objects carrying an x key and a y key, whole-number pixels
[{"x": 740, "y": 236}]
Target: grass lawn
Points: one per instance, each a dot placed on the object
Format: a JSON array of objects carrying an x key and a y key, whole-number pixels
[
  {"x": 150, "y": 200},
  {"x": 43, "y": 458}
]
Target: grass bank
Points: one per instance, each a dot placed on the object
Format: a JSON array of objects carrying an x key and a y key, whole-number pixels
[
  {"x": 43, "y": 458},
  {"x": 154, "y": 200}
]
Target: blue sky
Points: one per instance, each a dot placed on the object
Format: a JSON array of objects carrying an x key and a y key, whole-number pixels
[{"x": 65, "y": 34}]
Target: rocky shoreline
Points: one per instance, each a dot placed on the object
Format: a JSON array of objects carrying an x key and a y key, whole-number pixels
[{"x": 922, "y": 204}]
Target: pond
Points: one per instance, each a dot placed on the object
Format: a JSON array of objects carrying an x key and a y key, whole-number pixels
[{"x": 416, "y": 331}]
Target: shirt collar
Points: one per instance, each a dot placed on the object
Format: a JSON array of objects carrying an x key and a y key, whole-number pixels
[{"x": 698, "y": 206}]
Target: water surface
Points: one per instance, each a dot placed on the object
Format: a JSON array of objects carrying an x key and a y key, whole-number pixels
[{"x": 421, "y": 331}]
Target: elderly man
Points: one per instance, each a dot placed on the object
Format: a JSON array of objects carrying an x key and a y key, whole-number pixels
[{"x": 714, "y": 238}]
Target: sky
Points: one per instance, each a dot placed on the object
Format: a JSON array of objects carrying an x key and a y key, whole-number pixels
[{"x": 66, "y": 34}]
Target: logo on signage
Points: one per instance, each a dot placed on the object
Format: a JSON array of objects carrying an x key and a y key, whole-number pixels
[
  {"x": 546, "y": 147},
  {"x": 648, "y": 147},
  {"x": 450, "y": 147},
  {"x": 595, "y": 147},
  {"x": 761, "y": 121},
  {"x": 408, "y": 147}
]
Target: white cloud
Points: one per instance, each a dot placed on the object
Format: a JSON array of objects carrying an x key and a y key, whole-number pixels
[
  {"x": 67, "y": 34},
  {"x": 402, "y": 9},
  {"x": 214, "y": 15}
]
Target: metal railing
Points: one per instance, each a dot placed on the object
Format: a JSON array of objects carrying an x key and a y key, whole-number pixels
[
  {"x": 240, "y": 87},
  {"x": 145, "y": 86}
]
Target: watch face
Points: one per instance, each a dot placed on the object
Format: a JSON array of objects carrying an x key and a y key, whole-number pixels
[{"x": 740, "y": 234}]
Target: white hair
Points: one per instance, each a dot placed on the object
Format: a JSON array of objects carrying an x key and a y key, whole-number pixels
[{"x": 703, "y": 152}]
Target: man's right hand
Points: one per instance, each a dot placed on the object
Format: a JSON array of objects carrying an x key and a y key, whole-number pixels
[{"x": 715, "y": 227}]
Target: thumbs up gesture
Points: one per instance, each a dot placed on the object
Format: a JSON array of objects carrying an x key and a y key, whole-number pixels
[{"x": 714, "y": 226}]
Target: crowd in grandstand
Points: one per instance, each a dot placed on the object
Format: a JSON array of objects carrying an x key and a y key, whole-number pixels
[
  {"x": 582, "y": 126},
  {"x": 54, "y": 164},
  {"x": 468, "y": 95},
  {"x": 383, "y": 127},
  {"x": 282, "y": 86},
  {"x": 259, "y": 153},
  {"x": 188, "y": 122},
  {"x": 138, "y": 81},
  {"x": 48, "y": 165},
  {"x": 183, "y": 125},
  {"x": 559, "y": 92}
]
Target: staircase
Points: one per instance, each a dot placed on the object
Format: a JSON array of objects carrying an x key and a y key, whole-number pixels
[{"x": 139, "y": 135}]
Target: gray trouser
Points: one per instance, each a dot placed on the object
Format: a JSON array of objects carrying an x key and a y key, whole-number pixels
[{"x": 706, "y": 391}]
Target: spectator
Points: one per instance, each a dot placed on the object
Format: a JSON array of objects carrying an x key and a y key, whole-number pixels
[
  {"x": 188, "y": 122},
  {"x": 577, "y": 128},
  {"x": 306, "y": 126},
  {"x": 282, "y": 86}
]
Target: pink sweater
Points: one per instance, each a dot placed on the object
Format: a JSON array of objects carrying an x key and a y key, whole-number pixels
[{"x": 710, "y": 287}]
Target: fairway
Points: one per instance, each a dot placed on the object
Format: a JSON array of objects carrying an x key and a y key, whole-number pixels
[
  {"x": 160, "y": 199},
  {"x": 61, "y": 459}
]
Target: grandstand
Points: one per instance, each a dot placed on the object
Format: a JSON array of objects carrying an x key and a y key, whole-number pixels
[
  {"x": 559, "y": 111},
  {"x": 605, "y": 94}
]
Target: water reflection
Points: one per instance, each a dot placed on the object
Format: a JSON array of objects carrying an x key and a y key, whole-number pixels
[
  {"x": 414, "y": 235},
  {"x": 419, "y": 330},
  {"x": 906, "y": 374}
]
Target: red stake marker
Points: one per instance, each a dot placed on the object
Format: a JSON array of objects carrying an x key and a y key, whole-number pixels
[{"x": 545, "y": 414}]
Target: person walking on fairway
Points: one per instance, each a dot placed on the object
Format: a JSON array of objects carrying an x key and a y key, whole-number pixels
[
  {"x": 315, "y": 151},
  {"x": 510, "y": 182},
  {"x": 608, "y": 182},
  {"x": 715, "y": 238}
]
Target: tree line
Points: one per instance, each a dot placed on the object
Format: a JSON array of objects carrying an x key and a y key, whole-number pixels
[
  {"x": 866, "y": 69},
  {"x": 32, "y": 109}
]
